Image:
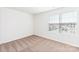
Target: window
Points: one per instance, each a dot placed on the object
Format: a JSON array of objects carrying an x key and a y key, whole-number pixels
[
  {"x": 65, "y": 22},
  {"x": 54, "y": 22},
  {"x": 54, "y": 19},
  {"x": 70, "y": 17}
]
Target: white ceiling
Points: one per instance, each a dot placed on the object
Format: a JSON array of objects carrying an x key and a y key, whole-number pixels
[{"x": 33, "y": 10}]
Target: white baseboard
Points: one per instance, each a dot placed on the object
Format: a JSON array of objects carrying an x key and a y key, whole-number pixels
[
  {"x": 45, "y": 36},
  {"x": 6, "y": 41},
  {"x": 55, "y": 39}
]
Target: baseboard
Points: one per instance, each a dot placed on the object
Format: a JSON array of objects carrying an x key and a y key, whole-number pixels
[
  {"x": 55, "y": 39},
  {"x": 45, "y": 36},
  {"x": 3, "y": 42}
]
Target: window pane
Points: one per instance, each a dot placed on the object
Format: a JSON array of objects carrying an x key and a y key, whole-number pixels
[
  {"x": 54, "y": 19},
  {"x": 70, "y": 17}
]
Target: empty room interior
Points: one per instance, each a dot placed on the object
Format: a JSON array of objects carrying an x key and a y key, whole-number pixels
[{"x": 39, "y": 29}]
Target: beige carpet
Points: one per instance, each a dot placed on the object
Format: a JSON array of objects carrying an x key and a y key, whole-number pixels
[{"x": 36, "y": 44}]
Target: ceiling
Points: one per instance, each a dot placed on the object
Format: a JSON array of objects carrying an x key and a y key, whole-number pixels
[{"x": 33, "y": 10}]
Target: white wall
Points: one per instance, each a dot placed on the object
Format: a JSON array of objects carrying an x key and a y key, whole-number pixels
[
  {"x": 0, "y": 23},
  {"x": 41, "y": 27},
  {"x": 14, "y": 25}
]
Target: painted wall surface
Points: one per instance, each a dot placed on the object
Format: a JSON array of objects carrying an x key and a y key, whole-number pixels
[
  {"x": 41, "y": 27},
  {"x": 14, "y": 25},
  {"x": 0, "y": 23}
]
